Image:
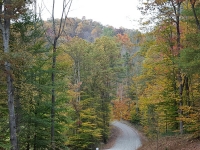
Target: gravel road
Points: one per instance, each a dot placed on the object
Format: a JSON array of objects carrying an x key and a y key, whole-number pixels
[{"x": 128, "y": 139}]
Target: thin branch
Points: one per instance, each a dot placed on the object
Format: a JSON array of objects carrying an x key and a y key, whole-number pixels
[
  {"x": 62, "y": 25},
  {"x": 66, "y": 15},
  {"x": 48, "y": 38},
  {"x": 46, "y": 7},
  {"x": 195, "y": 15},
  {"x": 174, "y": 7},
  {"x": 61, "y": 19}
]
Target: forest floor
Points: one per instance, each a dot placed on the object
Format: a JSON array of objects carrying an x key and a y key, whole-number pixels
[{"x": 184, "y": 142}]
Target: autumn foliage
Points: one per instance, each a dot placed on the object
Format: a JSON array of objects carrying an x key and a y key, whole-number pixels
[{"x": 122, "y": 109}]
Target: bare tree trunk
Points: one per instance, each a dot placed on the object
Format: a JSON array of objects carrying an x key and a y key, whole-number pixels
[
  {"x": 181, "y": 101},
  {"x": 177, "y": 11},
  {"x": 56, "y": 35},
  {"x": 180, "y": 80},
  {"x": 5, "y": 28},
  {"x": 11, "y": 108},
  {"x": 53, "y": 96}
]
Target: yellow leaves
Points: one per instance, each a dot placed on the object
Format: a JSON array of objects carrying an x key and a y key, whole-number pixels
[
  {"x": 64, "y": 61},
  {"x": 190, "y": 115},
  {"x": 86, "y": 128},
  {"x": 160, "y": 92},
  {"x": 160, "y": 2}
]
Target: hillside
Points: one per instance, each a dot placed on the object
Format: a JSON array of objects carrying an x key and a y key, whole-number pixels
[{"x": 90, "y": 30}]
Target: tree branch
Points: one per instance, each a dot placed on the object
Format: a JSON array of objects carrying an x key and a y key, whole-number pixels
[
  {"x": 62, "y": 24},
  {"x": 194, "y": 13},
  {"x": 48, "y": 38}
]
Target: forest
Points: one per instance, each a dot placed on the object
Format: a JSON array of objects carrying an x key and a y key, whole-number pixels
[{"x": 63, "y": 80}]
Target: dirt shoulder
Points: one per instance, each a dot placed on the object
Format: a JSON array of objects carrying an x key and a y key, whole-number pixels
[{"x": 172, "y": 143}]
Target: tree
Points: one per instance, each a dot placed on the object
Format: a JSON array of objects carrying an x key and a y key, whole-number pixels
[
  {"x": 108, "y": 31},
  {"x": 188, "y": 62},
  {"x": 170, "y": 12},
  {"x": 106, "y": 55},
  {"x": 87, "y": 133},
  {"x": 96, "y": 68},
  {"x": 77, "y": 49},
  {"x": 29, "y": 58},
  {"x": 10, "y": 10},
  {"x": 53, "y": 35}
]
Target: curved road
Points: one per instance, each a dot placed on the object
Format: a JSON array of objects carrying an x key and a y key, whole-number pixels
[{"x": 128, "y": 139}]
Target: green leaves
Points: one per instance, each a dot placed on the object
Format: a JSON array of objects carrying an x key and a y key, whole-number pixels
[{"x": 190, "y": 60}]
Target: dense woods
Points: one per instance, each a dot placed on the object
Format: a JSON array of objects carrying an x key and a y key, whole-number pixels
[
  {"x": 63, "y": 80},
  {"x": 168, "y": 86}
]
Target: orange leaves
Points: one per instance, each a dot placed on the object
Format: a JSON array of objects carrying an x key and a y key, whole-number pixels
[
  {"x": 124, "y": 40},
  {"x": 122, "y": 109}
]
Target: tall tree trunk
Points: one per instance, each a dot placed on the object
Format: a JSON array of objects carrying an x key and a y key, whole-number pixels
[
  {"x": 53, "y": 96},
  {"x": 187, "y": 90},
  {"x": 56, "y": 35},
  {"x": 11, "y": 108},
  {"x": 5, "y": 28},
  {"x": 181, "y": 101},
  {"x": 180, "y": 80},
  {"x": 177, "y": 11},
  {"x": 18, "y": 110}
]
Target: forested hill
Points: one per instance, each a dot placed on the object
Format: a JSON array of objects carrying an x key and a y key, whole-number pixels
[{"x": 90, "y": 30}]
